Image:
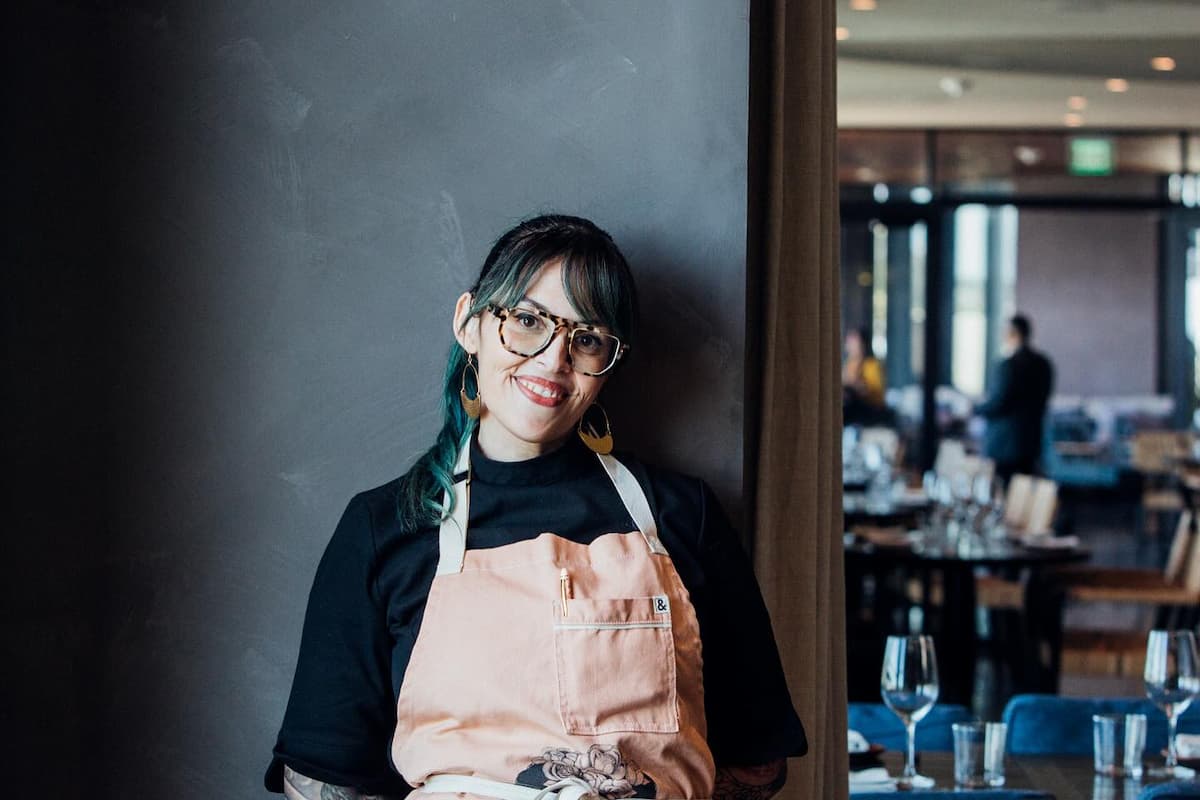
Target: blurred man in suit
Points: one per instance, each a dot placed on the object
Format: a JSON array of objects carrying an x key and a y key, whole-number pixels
[{"x": 1017, "y": 405}]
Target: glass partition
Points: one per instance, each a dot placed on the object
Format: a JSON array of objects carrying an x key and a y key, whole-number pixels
[{"x": 984, "y": 291}]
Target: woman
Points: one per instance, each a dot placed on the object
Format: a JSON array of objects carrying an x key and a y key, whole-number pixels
[
  {"x": 521, "y": 615},
  {"x": 862, "y": 381}
]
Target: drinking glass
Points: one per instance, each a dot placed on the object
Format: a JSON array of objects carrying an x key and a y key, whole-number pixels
[
  {"x": 909, "y": 685},
  {"x": 1118, "y": 744},
  {"x": 1172, "y": 679}
]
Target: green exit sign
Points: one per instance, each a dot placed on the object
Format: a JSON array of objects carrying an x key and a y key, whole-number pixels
[{"x": 1091, "y": 156}]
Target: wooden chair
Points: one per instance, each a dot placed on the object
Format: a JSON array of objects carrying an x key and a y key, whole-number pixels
[
  {"x": 1029, "y": 508},
  {"x": 1152, "y": 455},
  {"x": 1043, "y": 504},
  {"x": 1017, "y": 497},
  {"x": 1174, "y": 593}
]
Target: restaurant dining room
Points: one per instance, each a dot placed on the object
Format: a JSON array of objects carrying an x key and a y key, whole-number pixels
[
  {"x": 1020, "y": 306},
  {"x": 602, "y": 399}
]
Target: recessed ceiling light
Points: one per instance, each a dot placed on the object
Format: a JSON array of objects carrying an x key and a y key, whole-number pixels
[
  {"x": 842, "y": 34},
  {"x": 1117, "y": 85},
  {"x": 953, "y": 86},
  {"x": 1077, "y": 102},
  {"x": 1027, "y": 155},
  {"x": 1073, "y": 120},
  {"x": 1162, "y": 63},
  {"x": 863, "y": 5}
]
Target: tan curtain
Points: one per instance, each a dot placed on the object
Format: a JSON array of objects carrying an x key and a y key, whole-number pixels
[{"x": 793, "y": 372}]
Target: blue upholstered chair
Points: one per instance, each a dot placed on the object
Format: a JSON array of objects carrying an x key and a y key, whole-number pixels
[
  {"x": 879, "y": 725},
  {"x": 1043, "y": 724},
  {"x": 975, "y": 794},
  {"x": 1177, "y": 790}
]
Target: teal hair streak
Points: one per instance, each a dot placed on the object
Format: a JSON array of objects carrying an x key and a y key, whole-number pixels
[{"x": 423, "y": 489}]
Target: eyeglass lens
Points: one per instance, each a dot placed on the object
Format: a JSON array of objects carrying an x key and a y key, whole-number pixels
[{"x": 526, "y": 333}]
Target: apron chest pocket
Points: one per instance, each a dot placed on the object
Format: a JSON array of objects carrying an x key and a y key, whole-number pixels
[{"x": 616, "y": 666}]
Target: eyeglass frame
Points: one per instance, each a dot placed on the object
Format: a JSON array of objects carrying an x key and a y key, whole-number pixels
[{"x": 571, "y": 326}]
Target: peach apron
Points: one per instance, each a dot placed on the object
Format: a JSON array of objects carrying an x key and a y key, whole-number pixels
[{"x": 552, "y": 669}]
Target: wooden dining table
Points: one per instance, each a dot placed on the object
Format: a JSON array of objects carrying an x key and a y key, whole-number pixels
[{"x": 1065, "y": 777}]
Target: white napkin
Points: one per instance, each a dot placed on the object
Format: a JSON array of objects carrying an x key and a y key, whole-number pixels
[
  {"x": 856, "y": 742},
  {"x": 875, "y": 779},
  {"x": 912, "y": 496},
  {"x": 1187, "y": 745},
  {"x": 1051, "y": 542}
]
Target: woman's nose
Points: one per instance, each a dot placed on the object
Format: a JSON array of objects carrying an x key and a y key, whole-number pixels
[{"x": 555, "y": 356}]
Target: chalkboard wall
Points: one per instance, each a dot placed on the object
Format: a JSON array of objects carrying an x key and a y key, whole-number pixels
[{"x": 236, "y": 231}]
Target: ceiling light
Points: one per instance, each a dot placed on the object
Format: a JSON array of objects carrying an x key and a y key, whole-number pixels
[
  {"x": 842, "y": 34},
  {"x": 863, "y": 5},
  {"x": 1077, "y": 102},
  {"x": 953, "y": 86},
  {"x": 1117, "y": 85},
  {"x": 1073, "y": 120},
  {"x": 1162, "y": 63},
  {"x": 1027, "y": 155}
]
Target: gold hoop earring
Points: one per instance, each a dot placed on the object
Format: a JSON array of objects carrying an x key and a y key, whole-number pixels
[
  {"x": 472, "y": 406},
  {"x": 601, "y": 443}
]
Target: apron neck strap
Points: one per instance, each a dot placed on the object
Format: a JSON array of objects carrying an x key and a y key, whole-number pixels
[
  {"x": 635, "y": 501},
  {"x": 452, "y": 534}
]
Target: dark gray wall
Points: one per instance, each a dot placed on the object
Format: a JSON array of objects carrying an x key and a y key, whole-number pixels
[
  {"x": 236, "y": 233},
  {"x": 1089, "y": 282}
]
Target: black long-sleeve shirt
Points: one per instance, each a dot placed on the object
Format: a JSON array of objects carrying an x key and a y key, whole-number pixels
[{"x": 368, "y": 599}]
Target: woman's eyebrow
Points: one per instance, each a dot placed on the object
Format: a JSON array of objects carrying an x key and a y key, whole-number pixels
[{"x": 545, "y": 310}]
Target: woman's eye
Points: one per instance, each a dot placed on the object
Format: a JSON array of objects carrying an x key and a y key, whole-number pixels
[
  {"x": 587, "y": 342},
  {"x": 527, "y": 320}
]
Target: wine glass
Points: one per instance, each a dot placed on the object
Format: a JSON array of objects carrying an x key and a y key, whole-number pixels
[
  {"x": 909, "y": 685},
  {"x": 1172, "y": 679}
]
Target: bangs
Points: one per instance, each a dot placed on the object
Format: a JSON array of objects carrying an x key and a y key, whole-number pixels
[
  {"x": 601, "y": 292},
  {"x": 595, "y": 276}
]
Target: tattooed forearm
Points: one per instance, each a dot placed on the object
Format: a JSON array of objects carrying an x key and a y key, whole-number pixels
[
  {"x": 750, "y": 783},
  {"x": 298, "y": 787}
]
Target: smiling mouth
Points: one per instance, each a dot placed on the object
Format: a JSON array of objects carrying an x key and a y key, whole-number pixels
[{"x": 541, "y": 392}]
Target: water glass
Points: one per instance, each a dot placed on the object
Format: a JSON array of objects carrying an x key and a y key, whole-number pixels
[
  {"x": 979, "y": 754},
  {"x": 1172, "y": 680},
  {"x": 909, "y": 686},
  {"x": 1119, "y": 741}
]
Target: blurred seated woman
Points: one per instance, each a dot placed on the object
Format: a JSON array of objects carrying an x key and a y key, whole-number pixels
[
  {"x": 523, "y": 615},
  {"x": 863, "y": 382}
]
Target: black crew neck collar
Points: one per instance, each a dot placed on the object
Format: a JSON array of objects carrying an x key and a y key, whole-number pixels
[{"x": 566, "y": 462}]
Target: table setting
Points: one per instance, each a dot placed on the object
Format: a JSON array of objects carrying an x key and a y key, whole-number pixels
[
  {"x": 918, "y": 571},
  {"x": 1120, "y": 766},
  {"x": 960, "y": 515}
]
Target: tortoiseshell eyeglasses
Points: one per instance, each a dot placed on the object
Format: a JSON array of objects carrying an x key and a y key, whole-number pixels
[{"x": 529, "y": 331}]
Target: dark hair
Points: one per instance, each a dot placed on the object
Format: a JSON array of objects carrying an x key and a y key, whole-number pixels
[
  {"x": 1020, "y": 324},
  {"x": 864, "y": 339},
  {"x": 599, "y": 286}
]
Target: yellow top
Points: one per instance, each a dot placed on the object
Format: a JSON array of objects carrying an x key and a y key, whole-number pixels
[{"x": 865, "y": 376}]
